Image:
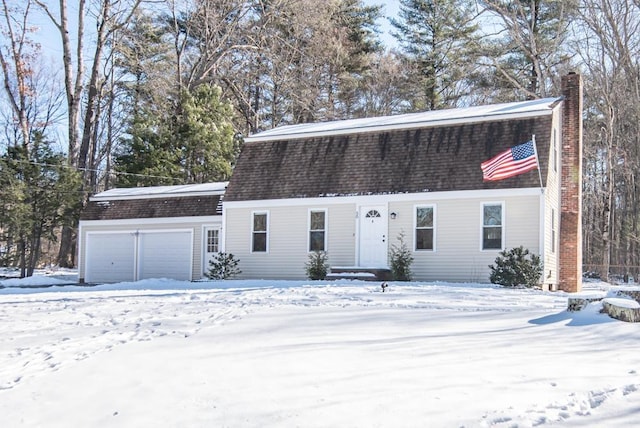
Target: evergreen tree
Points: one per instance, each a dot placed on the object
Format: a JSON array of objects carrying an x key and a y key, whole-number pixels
[
  {"x": 436, "y": 38},
  {"x": 194, "y": 144},
  {"x": 38, "y": 194}
]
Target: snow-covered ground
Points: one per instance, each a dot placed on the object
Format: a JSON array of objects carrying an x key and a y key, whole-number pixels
[{"x": 299, "y": 354}]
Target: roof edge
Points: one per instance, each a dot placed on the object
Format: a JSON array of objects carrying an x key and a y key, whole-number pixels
[{"x": 352, "y": 128}]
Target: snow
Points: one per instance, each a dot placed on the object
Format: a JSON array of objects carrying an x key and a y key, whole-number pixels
[
  {"x": 312, "y": 354},
  {"x": 432, "y": 118},
  {"x": 622, "y": 302},
  {"x": 158, "y": 191}
]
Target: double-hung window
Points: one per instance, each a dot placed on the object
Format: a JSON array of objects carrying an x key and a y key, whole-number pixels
[
  {"x": 424, "y": 228},
  {"x": 492, "y": 222},
  {"x": 317, "y": 230},
  {"x": 259, "y": 232}
]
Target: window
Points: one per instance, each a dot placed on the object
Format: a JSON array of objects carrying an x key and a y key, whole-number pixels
[
  {"x": 553, "y": 230},
  {"x": 555, "y": 150},
  {"x": 259, "y": 233},
  {"x": 317, "y": 230},
  {"x": 492, "y": 227},
  {"x": 213, "y": 240},
  {"x": 424, "y": 228}
]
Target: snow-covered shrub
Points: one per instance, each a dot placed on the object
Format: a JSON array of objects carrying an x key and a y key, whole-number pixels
[
  {"x": 400, "y": 259},
  {"x": 223, "y": 266},
  {"x": 516, "y": 267},
  {"x": 317, "y": 266}
]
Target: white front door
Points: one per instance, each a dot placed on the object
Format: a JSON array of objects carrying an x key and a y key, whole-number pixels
[{"x": 373, "y": 236}]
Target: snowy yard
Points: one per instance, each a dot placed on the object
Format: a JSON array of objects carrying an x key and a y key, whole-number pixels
[{"x": 289, "y": 354}]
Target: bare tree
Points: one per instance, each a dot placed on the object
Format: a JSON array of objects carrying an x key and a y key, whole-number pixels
[{"x": 609, "y": 47}]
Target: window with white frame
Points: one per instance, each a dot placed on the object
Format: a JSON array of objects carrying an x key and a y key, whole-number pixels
[
  {"x": 213, "y": 240},
  {"x": 259, "y": 232},
  {"x": 553, "y": 230},
  {"x": 555, "y": 150},
  {"x": 492, "y": 226},
  {"x": 424, "y": 228},
  {"x": 317, "y": 230}
]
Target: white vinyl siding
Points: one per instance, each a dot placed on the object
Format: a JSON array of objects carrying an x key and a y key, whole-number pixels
[
  {"x": 458, "y": 239},
  {"x": 552, "y": 210},
  {"x": 288, "y": 240}
]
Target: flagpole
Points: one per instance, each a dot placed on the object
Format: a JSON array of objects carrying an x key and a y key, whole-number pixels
[{"x": 535, "y": 150}]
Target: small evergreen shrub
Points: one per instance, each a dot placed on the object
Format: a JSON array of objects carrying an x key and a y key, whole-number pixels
[
  {"x": 317, "y": 266},
  {"x": 516, "y": 267},
  {"x": 223, "y": 266},
  {"x": 400, "y": 259}
]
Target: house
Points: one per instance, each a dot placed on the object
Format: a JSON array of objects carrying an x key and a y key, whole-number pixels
[
  {"x": 353, "y": 187},
  {"x": 150, "y": 232}
]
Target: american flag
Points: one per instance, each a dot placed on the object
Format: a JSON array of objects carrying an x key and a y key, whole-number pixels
[{"x": 514, "y": 161}]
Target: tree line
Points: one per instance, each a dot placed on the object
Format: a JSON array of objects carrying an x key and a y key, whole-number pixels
[{"x": 145, "y": 92}]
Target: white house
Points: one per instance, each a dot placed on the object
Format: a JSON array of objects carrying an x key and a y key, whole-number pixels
[{"x": 352, "y": 187}]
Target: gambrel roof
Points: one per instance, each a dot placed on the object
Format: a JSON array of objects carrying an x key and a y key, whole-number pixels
[
  {"x": 421, "y": 152},
  {"x": 156, "y": 202}
]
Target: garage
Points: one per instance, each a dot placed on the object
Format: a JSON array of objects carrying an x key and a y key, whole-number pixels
[
  {"x": 130, "y": 234},
  {"x": 136, "y": 255}
]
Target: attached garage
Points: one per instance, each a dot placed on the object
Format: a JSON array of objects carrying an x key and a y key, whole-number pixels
[{"x": 153, "y": 232}]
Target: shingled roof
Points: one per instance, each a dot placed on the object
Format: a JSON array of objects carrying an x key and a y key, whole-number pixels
[
  {"x": 156, "y": 202},
  {"x": 379, "y": 156}
]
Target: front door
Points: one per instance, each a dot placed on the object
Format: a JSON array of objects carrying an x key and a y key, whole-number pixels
[
  {"x": 211, "y": 245},
  {"x": 373, "y": 236}
]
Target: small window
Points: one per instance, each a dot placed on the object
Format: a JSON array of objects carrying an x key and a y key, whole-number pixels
[
  {"x": 259, "y": 233},
  {"x": 317, "y": 230},
  {"x": 424, "y": 228},
  {"x": 373, "y": 214},
  {"x": 492, "y": 227},
  {"x": 553, "y": 230},
  {"x": 555, "y": 151},
  {"x": 213, "y": 240}
]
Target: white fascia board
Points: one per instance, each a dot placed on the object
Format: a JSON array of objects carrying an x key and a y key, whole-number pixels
[
  {"x": 107, "y": 198},
  {"x": 357, "y": 126},
  {"x": 382, "y": 199},
  {"x": 151, "y": 221}
]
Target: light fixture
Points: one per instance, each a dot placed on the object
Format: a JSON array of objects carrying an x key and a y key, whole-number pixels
[{"x": 393, "y": 215}]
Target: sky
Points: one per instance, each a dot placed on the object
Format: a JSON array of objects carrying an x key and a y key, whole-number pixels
[{"x": 313, "y": 354}]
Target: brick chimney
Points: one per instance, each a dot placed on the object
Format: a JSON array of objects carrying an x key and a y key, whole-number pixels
[{"x": 570, "y": 248}]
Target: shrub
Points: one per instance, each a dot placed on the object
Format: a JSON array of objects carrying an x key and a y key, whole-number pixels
[
  {"x": 317, "y": 266},
  {"x": 516, "y": 267},
  {"x": 223, "y": 266},
  {"x": 400, "y": 259}
]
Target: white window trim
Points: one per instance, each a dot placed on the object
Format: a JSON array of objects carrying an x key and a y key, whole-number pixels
[
  {"x": 253, "y": 214},
  {"x": 504, "y": 227},
  {"x": 555, "y": 150},
  {"x": 415, "y": 227},
  {"x": 326, "y": 227}
]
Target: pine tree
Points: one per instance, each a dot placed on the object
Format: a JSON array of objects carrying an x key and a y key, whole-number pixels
[{"x": 436, "y": 38}]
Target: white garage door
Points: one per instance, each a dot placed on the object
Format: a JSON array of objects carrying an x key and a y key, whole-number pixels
[
  {"x": 110, "y": 257},
  {"x": 132, "y": 256},
  {"x": 165, "y": 255}
]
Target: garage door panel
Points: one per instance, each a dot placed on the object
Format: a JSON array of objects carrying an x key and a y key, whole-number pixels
[
  {"x": 165, "y": 255},
  {"x": 110, "y": 257}
]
